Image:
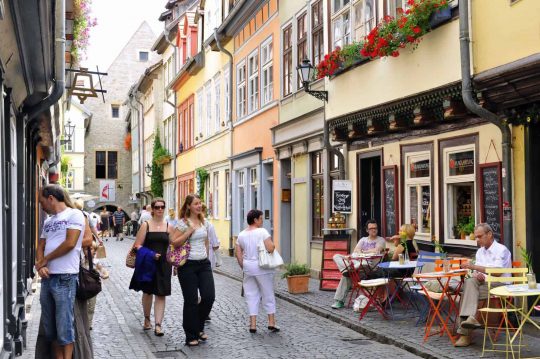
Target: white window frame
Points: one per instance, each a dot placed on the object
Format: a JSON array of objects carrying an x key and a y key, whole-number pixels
[
  {"x": 241, "y": 100},
  {"x": 209, "y": 109},
  {"x": 253, "y": 187},
  {"x": 391, "y": 6},
  {"x": 253, "y": 81},
  {"x": 200, "y": 107},
  {"x": 364, "y": 26},
  {"x": 69, "y": 145},
  {"x": 342, "y": 4},
  {"x": 227, "y": 93},
  {"x": 228, "y": 194},
  {"x": 241, "y": 177},
  {"x": 267, "y": 69},
  {"x": 449, "y": 180},
  {"x": 345, "y": 31},
  {"x": 217, "y": 102},
  {"x": 215, "y": 195},
  {"x": 418, "y": 183}
]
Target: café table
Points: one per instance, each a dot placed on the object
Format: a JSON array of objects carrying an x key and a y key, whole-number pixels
[
  {"x": 447, "y": 294},
  {"x": 407, "y": 268},
  {"x": 507, "y": 293}
]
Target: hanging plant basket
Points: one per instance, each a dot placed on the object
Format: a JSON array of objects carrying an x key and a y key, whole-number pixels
[{"x": 163, "y": 160}]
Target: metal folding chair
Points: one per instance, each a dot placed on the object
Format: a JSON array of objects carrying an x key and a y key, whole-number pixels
[{"x": 373, "y": 290}]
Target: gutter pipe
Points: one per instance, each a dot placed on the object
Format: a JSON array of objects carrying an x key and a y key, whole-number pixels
[
  {"x": 501, "y": 123},
  {"x": 175, "y": 114},
  {"x": 230, "y": 56},
  {"x": 141, "y": 144}
]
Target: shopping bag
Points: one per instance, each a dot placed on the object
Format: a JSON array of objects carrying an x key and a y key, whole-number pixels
[{"x": 101, "y": 252}]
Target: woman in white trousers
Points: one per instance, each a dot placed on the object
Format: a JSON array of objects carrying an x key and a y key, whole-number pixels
[{"x": 258, "y": 282}]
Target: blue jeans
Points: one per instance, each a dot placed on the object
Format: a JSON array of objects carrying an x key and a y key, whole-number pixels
[{"x": 57, "y": 300}]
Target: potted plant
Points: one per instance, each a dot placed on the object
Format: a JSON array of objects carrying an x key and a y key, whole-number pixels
[
  {"x": 297, "y": 277},
  {"x": 527, "y": 258},
  {"x": 469, "y": 228}
]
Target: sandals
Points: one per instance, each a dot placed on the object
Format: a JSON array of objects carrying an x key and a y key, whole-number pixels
[
  {"x": 203, "y": 336},
  {"x": 147, "y": 320},
  {"x": 273, "y": 329},
  {"x": 157, "y": 330},
  {"x": 192, "y": 343}
]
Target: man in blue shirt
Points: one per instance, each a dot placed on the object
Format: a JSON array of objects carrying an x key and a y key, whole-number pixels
[{"x": 118, "y": 220}]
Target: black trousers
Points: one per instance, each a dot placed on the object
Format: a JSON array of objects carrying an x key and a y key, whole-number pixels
[{"x": 196, "y": 277}]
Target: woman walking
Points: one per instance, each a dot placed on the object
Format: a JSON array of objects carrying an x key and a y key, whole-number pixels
[
  {"x": 152, "y": 242},
  {"x": 195, "y": 275},
  {"x": 258, "y": 282},
  {"x": 104, "y": 216}
]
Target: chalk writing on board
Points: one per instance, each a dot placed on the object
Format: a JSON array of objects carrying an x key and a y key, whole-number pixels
[
  {"x": 491, "y": 206},
  {"x": 390, "y": 221}
]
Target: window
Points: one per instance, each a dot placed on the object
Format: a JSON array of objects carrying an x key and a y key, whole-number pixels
[
  {"x": 418, "y": 202},
  {"x": 253, "y": 82},
  {"x": 241, "y": 90},
  {"x": 267, "y": 73},
  {"x": 241, "y": 195},
  {"x": 301, "y": 39},
  {"x": 228, "y": 194},
  {"x": 317, "y": 189},
  {"x": 209, "y": 123},
  {"x": 317, "y": 32},
  {"x": 254, "y": 186},
  {"x": 68, "y": 146},
  {"x": 217, "y": 103},
  {"x": 200, "y": 106},
  {"x": 339, "y": 4},
  {"x": 185, "y": 187},
  {"x": 341, "y": 29},
  {"x": 107, "y": 164},
  {"x": 135, "y": 160},
  {"x": 226, "y": 79},
  {"x": 459, "y": 191},
  {"x": 391, "y": 7},
  {"x": 185, "y": 121},
  {"x": 364, "y": 18},
  {"x": 287, "y": 61},
  {"x": 115, "y": 111},
  {"x": 143, "y": 56},
  {"x": 215, "y": 195},
  {"x": 168, "y": 134},
  {"x": 70, "y": 177}
]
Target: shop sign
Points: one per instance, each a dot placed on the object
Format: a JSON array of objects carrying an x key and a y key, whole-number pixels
[
  {"x": 461, "y": 163},
  {"x": 341, "y": 196},
  {"x": 107, "y": 190},
  {"x": 419, "y": 169}
]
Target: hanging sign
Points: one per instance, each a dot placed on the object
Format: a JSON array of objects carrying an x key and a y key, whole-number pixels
[
  {"x": 107, "y": 190},
  {"x": 341, "y": 196}
]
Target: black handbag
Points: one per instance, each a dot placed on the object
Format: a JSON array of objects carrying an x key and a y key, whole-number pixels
[{"x": 89, "y": 280}]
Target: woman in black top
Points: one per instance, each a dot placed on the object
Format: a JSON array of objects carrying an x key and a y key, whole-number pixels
[{"x": 154, "y": 235}]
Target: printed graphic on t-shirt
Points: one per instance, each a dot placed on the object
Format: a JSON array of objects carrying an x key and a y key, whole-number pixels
[{"x": 367, "y": 245}]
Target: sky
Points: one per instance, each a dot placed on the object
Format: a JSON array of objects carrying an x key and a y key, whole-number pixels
[{"x": 117, "y": 20}]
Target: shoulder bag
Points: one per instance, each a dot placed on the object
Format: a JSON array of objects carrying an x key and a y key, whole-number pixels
[
  {"x": 89, "y": 280},
  {"x": 268, "y": 260},
  {"x": 177, "y": 256}
]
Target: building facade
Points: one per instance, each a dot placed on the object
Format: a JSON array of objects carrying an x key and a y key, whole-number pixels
[{"x": 108, "y": 163}]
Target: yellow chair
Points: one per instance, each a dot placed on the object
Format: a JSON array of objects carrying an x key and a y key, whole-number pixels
[{"x": 494, "y": 275}]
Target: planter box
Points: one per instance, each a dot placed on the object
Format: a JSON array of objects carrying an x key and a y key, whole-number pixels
[
  {"x": 440, "y": 16},
  {"x": 298, "y": 284}
]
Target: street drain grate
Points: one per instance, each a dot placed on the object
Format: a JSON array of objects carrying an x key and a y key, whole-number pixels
[{"x": 170, "y": 354}]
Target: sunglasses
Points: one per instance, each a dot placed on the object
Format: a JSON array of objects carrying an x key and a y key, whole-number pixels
[{"x": 158, "y": 207}]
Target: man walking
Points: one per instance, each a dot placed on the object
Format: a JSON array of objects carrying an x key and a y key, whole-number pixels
[
  {"x": 134, "y": 222},
  {"x": 57, "y": 263},
  {"x": 119, "y": 219},
  {"x": 146, "y": 214}
]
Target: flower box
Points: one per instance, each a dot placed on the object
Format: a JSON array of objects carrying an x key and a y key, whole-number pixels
[{"x": 440, "y": 16}]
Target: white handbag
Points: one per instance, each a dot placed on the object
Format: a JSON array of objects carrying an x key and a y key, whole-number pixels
[{"x": 268, "y": 260}]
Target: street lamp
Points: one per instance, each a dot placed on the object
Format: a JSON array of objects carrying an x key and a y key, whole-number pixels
[
  {"x": 306, "y": 72},
  {"x": 148, "y": 169},
  {"x": 68, "y": 132}
]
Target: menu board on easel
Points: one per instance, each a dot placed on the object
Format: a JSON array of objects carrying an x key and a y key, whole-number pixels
[
  {"x": 491, "y": 198},
  {"x": 334, "y": 242},
  {"x": 390, "y": 212}
]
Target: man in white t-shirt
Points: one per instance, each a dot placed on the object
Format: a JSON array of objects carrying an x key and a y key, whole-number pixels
[
  {"x": 372, "y": 244},
  {"x": 491, "y": 254},
  {"x": 57, "y": 262},
  {"x": 146, "y": 214}
]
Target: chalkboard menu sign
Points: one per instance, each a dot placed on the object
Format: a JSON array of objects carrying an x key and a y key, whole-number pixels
[
  {"x": 341, "y": 196},
  {"x": 390, "y": 186},
  {"x": 491, "y": 198}
]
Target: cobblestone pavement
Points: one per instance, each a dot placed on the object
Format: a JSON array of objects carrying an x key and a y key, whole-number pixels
[
  {"x": 403, "y": 333},
  {"x": 118, "y": 326}
]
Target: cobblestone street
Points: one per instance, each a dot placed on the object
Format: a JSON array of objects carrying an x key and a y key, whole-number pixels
[{"x": 117, "y": 329}]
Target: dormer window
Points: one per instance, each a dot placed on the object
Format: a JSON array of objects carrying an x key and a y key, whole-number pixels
[{"x": 143, "y": 56}]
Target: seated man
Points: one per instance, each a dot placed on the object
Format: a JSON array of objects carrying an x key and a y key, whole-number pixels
[
  {"x": 373, "y": 244},
  {"x": 491, "y": 254}
]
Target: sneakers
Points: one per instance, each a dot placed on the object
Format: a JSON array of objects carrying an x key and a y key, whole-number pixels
[
  {"x": 463, "y": 341},
  {"x": 338, "y": 304},
  {"x": 471, "y": 323}
]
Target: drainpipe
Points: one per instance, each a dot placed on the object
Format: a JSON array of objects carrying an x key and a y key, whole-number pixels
[
  {"x": 142, "y": 172},
  {"x": 175, "y": 122},
  {"x": 501, "y": 123},
  {"x": 226, "y": 52}
]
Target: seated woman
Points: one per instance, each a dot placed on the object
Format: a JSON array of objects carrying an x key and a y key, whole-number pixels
[{"x": 409, "y": 231}]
